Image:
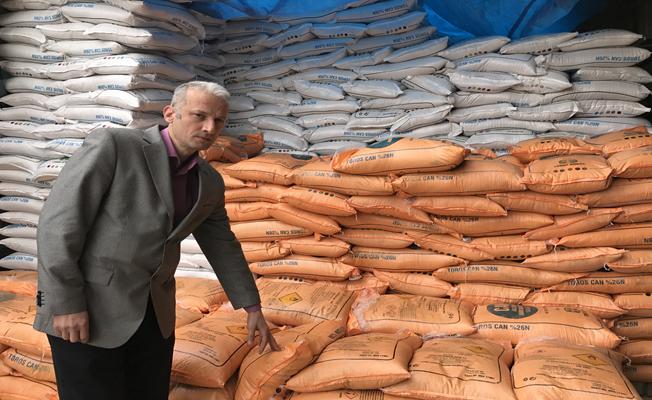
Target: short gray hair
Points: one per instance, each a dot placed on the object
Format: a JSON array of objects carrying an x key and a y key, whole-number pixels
[{"x": 179, "y": 96}]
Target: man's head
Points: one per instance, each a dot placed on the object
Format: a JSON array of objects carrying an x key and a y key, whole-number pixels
[{"x": 196, "y": 115}]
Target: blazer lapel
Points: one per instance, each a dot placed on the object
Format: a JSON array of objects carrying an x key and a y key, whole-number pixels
[
  {"x": 159, "y": 167},
  {"x": 203, "y": 177}
]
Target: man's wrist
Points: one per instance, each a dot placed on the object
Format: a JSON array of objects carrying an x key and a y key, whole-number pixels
[{"x": 254, "y": 308}]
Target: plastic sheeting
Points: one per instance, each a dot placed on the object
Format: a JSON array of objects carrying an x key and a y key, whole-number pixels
[{"x": 457, "y": 19}]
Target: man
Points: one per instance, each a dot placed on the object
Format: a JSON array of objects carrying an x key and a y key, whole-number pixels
[{"x": 108, "y": 243}]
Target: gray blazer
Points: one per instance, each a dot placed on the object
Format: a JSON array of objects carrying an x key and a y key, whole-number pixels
[{"x": 106, "y": 239}]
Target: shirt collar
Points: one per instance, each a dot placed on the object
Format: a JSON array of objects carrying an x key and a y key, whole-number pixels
[{"x": 180, "y": 169}]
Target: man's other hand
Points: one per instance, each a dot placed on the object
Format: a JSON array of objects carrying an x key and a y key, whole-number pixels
[
  {"x": 256, "y": 322},
  {"x": 72, "y": 327}
]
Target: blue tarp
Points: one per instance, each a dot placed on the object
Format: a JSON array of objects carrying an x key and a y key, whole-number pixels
[{"x": 457, "y": 19}]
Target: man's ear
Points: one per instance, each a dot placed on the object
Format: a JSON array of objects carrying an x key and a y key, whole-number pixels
[{"x": 168, "y": 114}]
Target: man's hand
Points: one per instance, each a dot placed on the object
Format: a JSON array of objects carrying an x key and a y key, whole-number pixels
[
  {"x": 256, "y": 322},
  {"x": 72, "y": 327}
]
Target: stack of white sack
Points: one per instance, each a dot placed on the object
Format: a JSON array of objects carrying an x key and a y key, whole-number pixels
[
  {"x": 346, "y": 79},
  {"x": 74, "y": 68}
]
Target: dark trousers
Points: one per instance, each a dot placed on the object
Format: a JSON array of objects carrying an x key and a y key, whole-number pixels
[{"x": 137, "y": 370}]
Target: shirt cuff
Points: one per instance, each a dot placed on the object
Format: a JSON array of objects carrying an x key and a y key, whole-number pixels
[{"x": 254, "y": 308}]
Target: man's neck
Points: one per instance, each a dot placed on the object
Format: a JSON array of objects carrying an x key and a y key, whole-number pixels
[{"x": 182, "y": 153}]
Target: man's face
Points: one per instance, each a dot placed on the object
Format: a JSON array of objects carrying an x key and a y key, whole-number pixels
[{"x": 195, "y": 124}]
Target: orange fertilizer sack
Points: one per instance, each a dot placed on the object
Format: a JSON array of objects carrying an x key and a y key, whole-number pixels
[
  {"x": 633, "y": 328},
  {"x": 402, "y": 260},
  {"x": 366, "y": 281},
  {"x": 263, "y": 251},
  {"x": 448, "y": 245},
  {"x": 262, "y": 192},
  {"x": 600, "y": 305},
  {"x": 287, "y": 303},
  {"x": 209, "y": 351},
  {"x": 503, "y": 273},
  {"x": 534, "y": 149},
  {"x": 239, "y": 212},
  {"x": 639, "y": 351},
  {"x": 19, "y": 388},
  {"x": 457, "y": 368},
  {"x": 488, "y": 293},
  {"x": 566, "y": 225},
  {"x": 633, "y": 261},
  {"x": 622, "y": 192},
  {"x": 417, "y": 283},
  {"x": 626, "y": 139},
  {"x": 234, "y": 149},
  {"x": 371, "y": 221},
  {"x": 634, "y": 213},
  {"x": 636, "y": 304},
  {"x": 629, "y": 236},
  {"x": 568, "y": 174},
  {"x": 267, "y": 230},
  {"x": 344, "y": 394},
  {"x": 515, "y": 323},
  {"x": 368, "y": 361},
  {"x": 309, "y": 246},
  {"x": 374, "y": 238},
  {"x": 422, "y": 315},
  {"x": 273, "y": 168},
  {"x": 229, "y": 181},
  {"x": 318, "y": 201},
  {"x": 468, "y": 206},
  {"x": 515, "y": 222},
  {"x": 389, "y": 206},
  {"x": 549, "y": 204},
  {"x": 199, "y": 294},
  {"x": 12, "y": 305},
  {"x": 184, "y": 316},
  {"x": 295, "y": 216},
  {"x": 575, "y": 260},
  {"x": 261, "y": 374},
  {"x": 472, "y": 177},
  {"x": 29, "y": 366},
  {"x": 608, "y": 282},
  {"x": 510, "y": 247},
  {"x": 319, "y": 268},
  {"x": 552, "y": 370},
  {"x": 400, "y": 156},
  {"x": 635, "y": 163},
  {"x": 19, "y": 334},
  {"x": 180, "y": 391},
  {"x": 320, "y": 175},
  {"x": 19, "y": 282}
]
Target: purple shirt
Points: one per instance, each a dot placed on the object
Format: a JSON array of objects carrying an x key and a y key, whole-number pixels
[
  {"x": 185, "y": 181},
  {"x": 185, "y": 186}
]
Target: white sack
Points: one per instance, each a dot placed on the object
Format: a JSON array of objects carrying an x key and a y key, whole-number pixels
[
  {"x": 437, "y": 84},
  {"x": 474, "y": 47},
  {"x": 372, "y": 88}
]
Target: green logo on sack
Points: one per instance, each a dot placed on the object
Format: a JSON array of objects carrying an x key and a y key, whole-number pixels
[{"x": 512, "y": 311}]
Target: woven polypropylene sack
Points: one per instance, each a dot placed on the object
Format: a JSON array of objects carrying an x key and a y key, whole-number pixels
[
  {"x": 516, "y": 323},
  {"x": 400, "y": 156},
  {"x": 554, "y": 370},
  {"x": 368, "y": 361},
  {"x": 439, "y": 370}
]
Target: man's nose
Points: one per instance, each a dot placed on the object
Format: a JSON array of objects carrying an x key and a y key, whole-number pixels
[{"x": 209, "y": 125}]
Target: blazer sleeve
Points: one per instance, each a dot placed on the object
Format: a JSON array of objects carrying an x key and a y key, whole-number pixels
[
  {"x": 66, "y": 218},
  {"x": 225, "y": 255}
]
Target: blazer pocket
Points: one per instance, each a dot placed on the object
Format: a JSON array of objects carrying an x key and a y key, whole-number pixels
[{"x": 99, "y": 275}]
